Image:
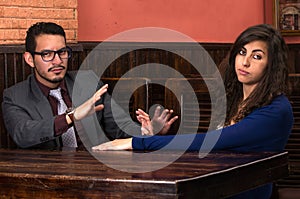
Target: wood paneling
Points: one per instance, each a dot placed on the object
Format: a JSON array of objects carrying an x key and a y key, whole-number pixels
[{"x": 13, "y": 69}]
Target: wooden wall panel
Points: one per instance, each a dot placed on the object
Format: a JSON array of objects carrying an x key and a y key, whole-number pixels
[{"x": 13, "y": 69}]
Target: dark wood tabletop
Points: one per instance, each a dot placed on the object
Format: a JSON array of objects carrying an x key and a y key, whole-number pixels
[{"x": 119, "y": 174}]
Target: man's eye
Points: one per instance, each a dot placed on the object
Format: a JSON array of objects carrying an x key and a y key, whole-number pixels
[
  {"x": 47, "y": 54},
  {"x": 62, "y": 52}
]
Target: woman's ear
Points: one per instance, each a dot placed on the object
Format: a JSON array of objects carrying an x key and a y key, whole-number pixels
[{"x": 28, "y": 59}]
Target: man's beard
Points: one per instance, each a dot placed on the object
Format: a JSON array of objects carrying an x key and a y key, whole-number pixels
[{"x": 55, "y": 80}]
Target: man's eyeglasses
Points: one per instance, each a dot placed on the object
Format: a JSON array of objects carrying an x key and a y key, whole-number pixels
[{"x": 49, "y": 55}]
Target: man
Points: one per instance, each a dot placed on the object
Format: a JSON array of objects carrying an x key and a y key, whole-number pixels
[{"x": 37, "y": 110}]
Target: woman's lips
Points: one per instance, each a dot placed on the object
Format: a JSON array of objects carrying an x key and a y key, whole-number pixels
[{"x": 242, "y": 72}]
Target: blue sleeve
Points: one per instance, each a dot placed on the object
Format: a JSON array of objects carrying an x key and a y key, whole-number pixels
[{"x": 265, "y": 129}]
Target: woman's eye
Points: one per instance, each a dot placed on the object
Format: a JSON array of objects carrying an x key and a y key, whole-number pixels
[
  {"x": 242, "y": 52},
  {"x": 258, "y": 57}
]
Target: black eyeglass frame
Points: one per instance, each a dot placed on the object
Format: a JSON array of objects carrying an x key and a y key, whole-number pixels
[{"x": 69, "y": 51}]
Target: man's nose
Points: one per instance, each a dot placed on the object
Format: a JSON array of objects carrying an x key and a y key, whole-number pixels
[{"x": 57, "y": 59}]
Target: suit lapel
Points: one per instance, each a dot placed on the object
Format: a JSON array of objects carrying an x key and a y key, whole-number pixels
[
  {"x": 42, "y": 104},
  {"x": 69, "y": 84}
]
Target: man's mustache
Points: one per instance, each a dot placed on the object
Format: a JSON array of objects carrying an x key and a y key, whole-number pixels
[{"x": 55, "y": 67}]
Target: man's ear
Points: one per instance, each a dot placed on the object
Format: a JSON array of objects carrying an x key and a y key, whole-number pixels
[{"x": 29, "y": 59}]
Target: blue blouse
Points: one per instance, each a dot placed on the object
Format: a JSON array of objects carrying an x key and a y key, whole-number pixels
[{"x": 265, "y": 129}]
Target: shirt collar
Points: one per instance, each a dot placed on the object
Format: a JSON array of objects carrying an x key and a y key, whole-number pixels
[{"x": 46, "y": 89}]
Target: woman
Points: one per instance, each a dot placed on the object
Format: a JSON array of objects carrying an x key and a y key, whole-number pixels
[{"x": 259, "y": 116}]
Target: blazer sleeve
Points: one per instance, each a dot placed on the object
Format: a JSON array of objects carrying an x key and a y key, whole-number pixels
[{"x": 28, "y": 122}]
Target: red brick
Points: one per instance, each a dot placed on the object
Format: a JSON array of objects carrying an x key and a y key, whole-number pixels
[
  {"x": 11, "y": 34},
  {"x": 33, "y": 3},
  {"x": 5, "y": 23},
  {"x": 65, "y": 4},
  {"x": 22, "y": 34},
  {"x": 6, "y": 2},
  {"x": 10, "y": 11},
  {"x": 16, "y": 16},
  {"x": 19, "y": 24},
  {"x": 1, "y": 11},
  {"x": 2, "y": 34},
  {"x": 71, "y": 35}
]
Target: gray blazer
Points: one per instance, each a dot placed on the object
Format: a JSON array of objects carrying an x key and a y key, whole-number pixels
[{"x": 29, "y": 119}]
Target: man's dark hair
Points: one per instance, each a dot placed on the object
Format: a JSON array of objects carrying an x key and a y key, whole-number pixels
[{"x": 39, "y": 29}]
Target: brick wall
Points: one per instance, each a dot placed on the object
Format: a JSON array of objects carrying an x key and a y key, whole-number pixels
[{"x": 16, "y": 16}]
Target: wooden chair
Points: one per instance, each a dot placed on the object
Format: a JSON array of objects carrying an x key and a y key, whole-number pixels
[
  {"x": 137, "y": 88},
  {"x": 179, "y": 97},
  {"x": 289, "y": 188}
]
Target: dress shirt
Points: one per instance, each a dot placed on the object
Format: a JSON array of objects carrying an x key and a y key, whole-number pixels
[{"x": 60, "y": 122}]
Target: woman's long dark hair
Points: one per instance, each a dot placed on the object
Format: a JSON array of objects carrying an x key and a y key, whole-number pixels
[{"x": 273, "y": 83}]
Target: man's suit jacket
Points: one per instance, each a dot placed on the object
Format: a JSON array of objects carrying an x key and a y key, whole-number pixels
[{"x": 29, "y": 119}]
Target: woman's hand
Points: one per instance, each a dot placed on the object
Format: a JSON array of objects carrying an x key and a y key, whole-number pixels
[
  {"x": 144, "y": 119},
  {"x": 88, "y": 107},
  {"x": 117, "y": 144},
  {"x": 160, "y": 123}
]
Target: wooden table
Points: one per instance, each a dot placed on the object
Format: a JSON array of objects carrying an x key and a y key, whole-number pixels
[{"x": 62, "y": 174}]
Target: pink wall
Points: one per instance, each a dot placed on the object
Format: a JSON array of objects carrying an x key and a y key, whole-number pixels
[{"x": 203, "y": 20}]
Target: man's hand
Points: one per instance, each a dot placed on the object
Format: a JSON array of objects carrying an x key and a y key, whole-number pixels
[
  {"x": 160, "y": 123},
  {"x": 88, "y": 107}
]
